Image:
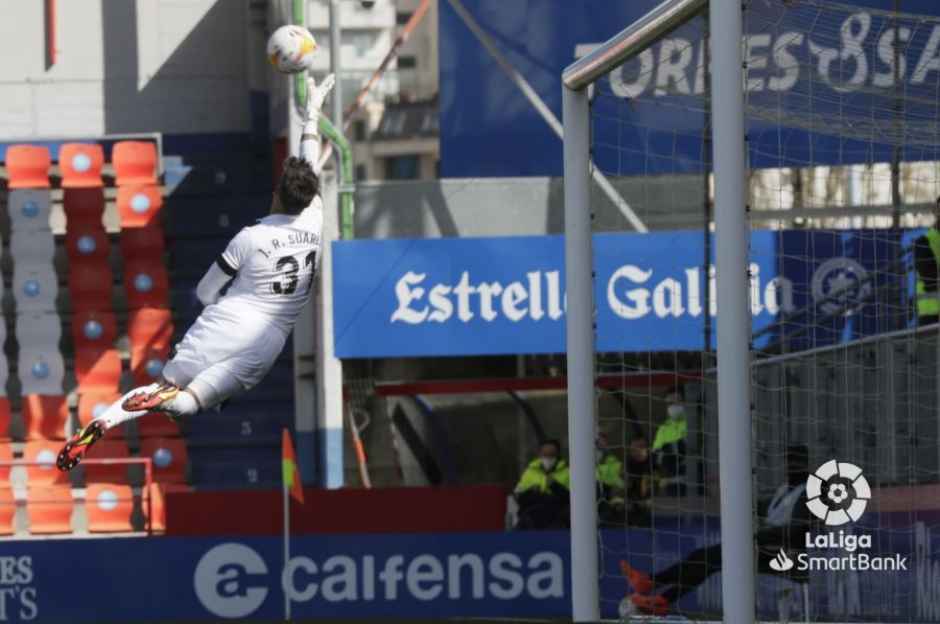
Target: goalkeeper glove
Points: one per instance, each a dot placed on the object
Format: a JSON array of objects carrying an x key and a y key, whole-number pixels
[{"x": 316, "y": 95}]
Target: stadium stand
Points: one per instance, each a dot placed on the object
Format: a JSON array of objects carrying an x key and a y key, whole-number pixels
[
  {"x": 41, "y": 455},
  {"x": 49, "y": 508},
  {"x": 92, "y": 404},
  {"x": 6, "y": 455},
  {"x": 45, "y": 417},
  {"x": 80, "y": 165},
  {"x": 5, "y": 420},
  {"x": 27, "y": 167},
  {"x": 111, "y": 473},
  {"x": 139, "y": 206},
  {"x": 135, "y": 163},
  {"x": 7, "y": 510},
  {"x": 108, "y": 507},
  {"x": 169, "y": 458}
]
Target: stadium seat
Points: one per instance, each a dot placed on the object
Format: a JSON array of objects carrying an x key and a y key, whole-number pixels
[
  {"x": 135, "y": 163},
  {"x": 139, "y": 206},
  {"x": 39, "y": 330},
  {"x": 236, "y": 467},
  {"x": 41, "y": 370},
  {"x": 86, "y": 242},
  {"x": 80, "y": 164},
  {"x": 42, "y": 471},
  {"x": 49, "y": 508},
  {"x": 98, "y": 370},
  {"x": 146, "y": 284},
  {"x": 192, "y": 258},
  {"x": 157, "y": 425},
  {"x": 106, "y": 473},
  {"x": 32, "y": 247},
  {"x": 35, "y": 287},
  {"x": 28, "y": 166},
  {"x": 196, "y": 218},
  {"x": 246, "y": 423},
  {"x": 84, "y": 205},
  {"x": 169, "y": 458},
  {"x": 6, "y": 455},
  {"x": 150, "y": 327},
  {"x": 93, "y": 330},
  {"x": 92, "y": 405},
  {"x": 29, "y": 209},
  {"x": 108, "y": 507},
  {"x": 7, "y": 509},
  {"x": 143, "y": 241},
  {"x": 5, "y": 421},
  {"x": 277, "y": 385},
  {"x": 153, "y": 503},
  {"x": 147, "y": 364},
  {"x": 45, "y": 417},
  {"x": 90, "y": 286}
]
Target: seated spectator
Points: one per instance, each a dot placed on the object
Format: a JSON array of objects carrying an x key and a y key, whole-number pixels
[
  {"x": 542, "y": 491},
  {"x": 610, "y": 484},
  {"x": 639, "y": 482},
  {"x": 669, "y": 448}
]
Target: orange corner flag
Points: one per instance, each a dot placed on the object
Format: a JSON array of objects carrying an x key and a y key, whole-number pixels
[{"x": 291, "y": 475}]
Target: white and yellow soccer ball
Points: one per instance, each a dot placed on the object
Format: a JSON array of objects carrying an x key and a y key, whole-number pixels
[{"x": 291, "y": 48}]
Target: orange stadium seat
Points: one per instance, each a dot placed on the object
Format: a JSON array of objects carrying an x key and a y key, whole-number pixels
[
  {"x": 135, "y": 162},
  {"x": 150, "y": 327},
  {"x": 143, "y": 241},
  {"x": 7, "y": 509},
  {"x": 5, "y": 419},
  {"x": 6, "y": 455},
  {"x": 80, "y": 164},
  {"x": 139, "y": 206},
  {"x": 45, "y": 417},
  {"x": 87, "y": 242},
  {"x": 90, "y": 286},
  {"x": 110, "y": 473},
  {"x": 84, "y": 205},
  {"x": 108, "y": 507},
  {"x": 28, "y": 166},
  {"x": 49, "y": 508},
  {"x": 92, "y": 404},
  {"x": 147, "y": 363},
  {"x": 146, "y": 284},
  {"x": 43, "y": 470},
  {"x": 169, "y": 458},
  {"x": 98, "y": 370}
]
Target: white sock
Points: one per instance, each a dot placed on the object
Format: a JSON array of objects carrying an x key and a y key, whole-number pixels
[
  {"x": 115, "y": 415},
  {"x": 183, "y": 404}
]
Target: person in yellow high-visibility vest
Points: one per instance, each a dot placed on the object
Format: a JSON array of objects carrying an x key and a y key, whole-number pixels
[
  {"x": 669, "y": 447},
  {"x": 542, "y": 491},
  {"x": 610, "y": 484},
  {"x": 926, "y": 261}
]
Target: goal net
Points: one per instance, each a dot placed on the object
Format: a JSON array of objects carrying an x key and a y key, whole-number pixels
[{"x": 842, "y": 184}]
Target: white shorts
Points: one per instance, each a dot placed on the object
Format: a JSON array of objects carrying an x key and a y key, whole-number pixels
[{"x": 216, "y": 363}]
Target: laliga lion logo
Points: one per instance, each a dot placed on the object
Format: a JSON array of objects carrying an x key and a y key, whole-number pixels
[
  {"x": 837, "y": 493},
  {"x": 842, "y": 285},
  {"x": 230, "y": 580}
]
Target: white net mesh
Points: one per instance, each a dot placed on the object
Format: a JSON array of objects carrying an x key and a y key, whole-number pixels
[{"x": 842, "y": 142}]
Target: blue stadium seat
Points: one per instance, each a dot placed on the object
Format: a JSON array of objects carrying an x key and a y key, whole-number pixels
[
  {"x": 278, "y": 384},
  {"x": 190, "y": 259},
  {"x": 238, "y": 467},
  {"x": 222, "y": 216},
  {"x": 248, "y": 423}
]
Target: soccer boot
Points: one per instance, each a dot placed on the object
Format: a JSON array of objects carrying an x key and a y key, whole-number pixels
[
  {"x": 150, "y": 401},
  {"x": 76, "y": 447},
  {"x": 639, "y": 581}
]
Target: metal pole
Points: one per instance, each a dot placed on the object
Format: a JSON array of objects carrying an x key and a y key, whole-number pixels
[
  {"x": 335, "y": 65},
  {"x": 579, "y": 282},
  {"x": 734, "y": 318}
]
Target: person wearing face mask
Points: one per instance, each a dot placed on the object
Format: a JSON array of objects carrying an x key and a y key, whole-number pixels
[
  {"x": 610, "y": 484},
  {"x": 669, "y": 447},
  {"x": 542, "y": 491}
]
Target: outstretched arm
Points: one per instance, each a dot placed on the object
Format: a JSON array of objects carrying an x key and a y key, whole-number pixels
[
  {"x": 212, "y": 284},
  {"x": 224, "y": 269},
  {"x": 310, "y": 137}
]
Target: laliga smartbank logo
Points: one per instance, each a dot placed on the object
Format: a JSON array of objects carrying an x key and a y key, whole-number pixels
[{"x": 838, "y": 494}]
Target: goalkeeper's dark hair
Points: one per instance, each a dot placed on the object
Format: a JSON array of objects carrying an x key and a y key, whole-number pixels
[{"x": 298, "y": 186}]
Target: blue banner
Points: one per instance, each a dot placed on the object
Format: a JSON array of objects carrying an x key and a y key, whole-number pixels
[
  {"x": 824, "y": 86},
  {"x": 653, "y": 292},
  {"x": 420, "y": 576}
]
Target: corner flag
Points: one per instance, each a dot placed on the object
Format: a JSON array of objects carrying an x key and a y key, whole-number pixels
[{"x": 291, "y": 475}]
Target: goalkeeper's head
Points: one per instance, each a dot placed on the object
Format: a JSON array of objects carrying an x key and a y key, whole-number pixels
[{"x": 296, "y": 188}]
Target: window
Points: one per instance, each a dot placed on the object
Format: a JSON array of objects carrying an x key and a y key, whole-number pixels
[
  {"x": 402, "y": 17},
  {"x": 359, "y": 130},
  {"x": 407, "y": 62},
  {"x": 402, "y": 167},
  {"x": 361, "y": 173}
]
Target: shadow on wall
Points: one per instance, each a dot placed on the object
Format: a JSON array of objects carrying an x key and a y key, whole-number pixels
[{"x": 202, "y": 86}]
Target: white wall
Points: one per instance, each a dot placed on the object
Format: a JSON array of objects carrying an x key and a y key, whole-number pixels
[{"x": 172, "y": 66}]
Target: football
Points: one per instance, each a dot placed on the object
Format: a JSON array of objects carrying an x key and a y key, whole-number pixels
[{"x": 290, "y": 49}]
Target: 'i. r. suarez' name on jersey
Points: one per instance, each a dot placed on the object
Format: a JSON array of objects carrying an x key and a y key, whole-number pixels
[{"x": 292, "y": 240}]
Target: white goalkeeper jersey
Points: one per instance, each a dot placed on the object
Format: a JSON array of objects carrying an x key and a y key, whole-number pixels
[{"x": 273, "y": 263}]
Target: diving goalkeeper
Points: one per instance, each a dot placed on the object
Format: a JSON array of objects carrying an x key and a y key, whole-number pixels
[{"x": 269, "y": 268}]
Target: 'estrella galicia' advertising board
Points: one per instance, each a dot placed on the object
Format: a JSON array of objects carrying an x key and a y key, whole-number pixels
[
  {"x": 823, "y": 86},
  {"x": 653, "y": 292},
  {"x": 425, "y": 576}
]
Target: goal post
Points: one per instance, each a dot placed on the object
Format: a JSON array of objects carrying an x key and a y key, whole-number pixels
[{"x": 732, "y": 286}]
